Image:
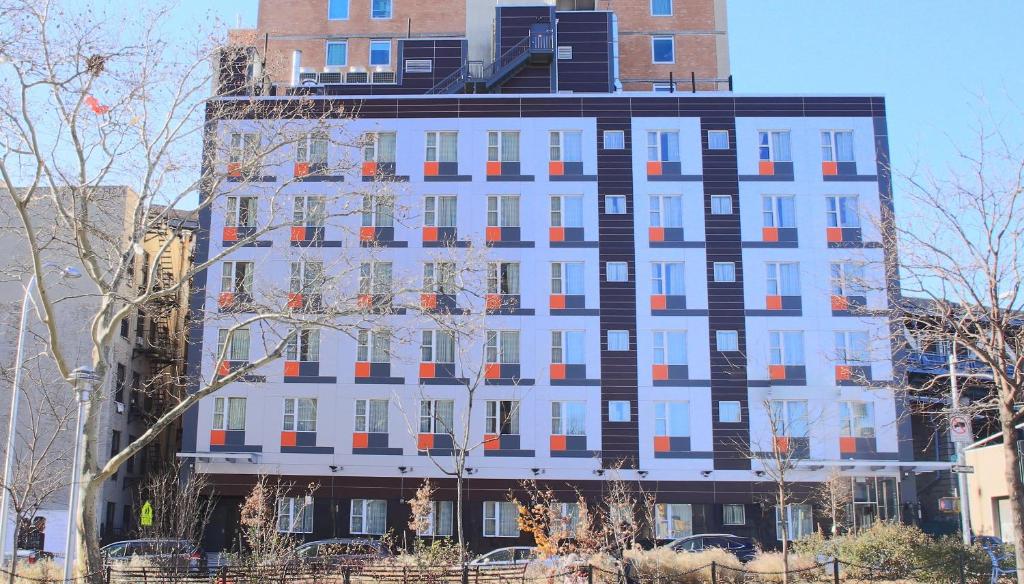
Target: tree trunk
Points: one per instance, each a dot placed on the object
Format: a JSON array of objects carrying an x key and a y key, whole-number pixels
[
  {"x": 1011, "y": 474},
  {"x": 14, "y": 548},
  {"x": 87, "y": 553},
  {"x": 784, "y": 513},
  {"x": 458, "y": 513}
]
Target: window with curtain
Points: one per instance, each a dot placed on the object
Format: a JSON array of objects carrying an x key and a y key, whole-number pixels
[
  {"x": 501, "y": 417},
  {"x": 569, "y": 418},
  {"x": 789, "y": 418},
  {"x": 786, "y": 347},
  {"x": 439, "y": 521},
  {"x": 501, "y": 519},
  {"x": 442, "y": 147},
  {"x": 841, "y": 211},
  {"x": 502, "y": 347},
  {"x": 437, "y": 416},
  {"x": 669, "y": 348},
  {"x": 503, "y": 278},
  {"x": 295, "y": 514},
  {"x": 303, "y": 345},
  {"x": 847, "y": 279},
  {"x": 774, "y": 145},
  {"x": 566, "y": 147},
  {"x": 662, "y": 146},
  {"x": 666, "y": 211},
  {"x": 380, "y": 146},
  {"x": 503, "y": 146},
  {"x": 857, "y": 419},
  {"x": 371, "y": 415},
  {"x": 567, "y": 347},
  {"x": 783, "y": 278},
  {"x": 238, "y": 345},
  {"x": 502, "y": 211},
  {"x": 299, "y": 415},
  {"x": 240, "y": 212},
  {"x": 837, "y": 146},
  {"x": 368, "y": 517},
  {"x": 672, "y": 419},
  {"x": 439, "y": 278},
  {"x": 235, "y": 418},
  {"x": 668, "y": 278},
  {"x": 799, "y": 520},
  {"x": 307, "y": 277},
  {"x": 673, "y": 520},
  {"x": 661, "y": 7},
  {"x": 380, "y": 8},
  {"x": 852, "y": 347},
  {"x": 309, "y": 211},
  {"x": 778, "y": 211},
  {"x": 567, "y": 278},
  {"x": 437, "y": 347}
]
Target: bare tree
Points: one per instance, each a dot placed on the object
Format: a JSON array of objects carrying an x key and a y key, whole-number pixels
[
  {"x": 181, "y": 508},
  {"x": 94, "y": 98},
  {"x": 962, "y": 267},
  {"x": 835, "y": 496}
]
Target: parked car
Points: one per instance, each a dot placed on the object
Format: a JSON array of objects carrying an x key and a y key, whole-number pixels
[
  {"x": 168, "y": 553},
  {"x": 339, "y": 552},
  {"x": 741, "y": 547},
  {"x": 29, "y": 556},
  {"x": 507, "y": 556}
]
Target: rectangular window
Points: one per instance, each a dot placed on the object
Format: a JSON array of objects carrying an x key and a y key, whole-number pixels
[
  {"x": 663, "y": 49},
  {"x": 730, "y": 412},
  {"x": 799, "y": 521},
  {"x": 442, "y": 147},
  {"x": 502, "y": 347},
  {"x": 662, "y": 146},
  {"x": 437, "y": 416},
  {"x": 786, "y": 347},
  {"x": 502, "y": 211},
  {"x": 295, "y": 514},
  {"x": 734, "y": 514},
  {"x": 244, "y": 148},
  {"x": 783, "y": 278},
  {"x": 502, "y": 146},
  {"x": 236, "y": 277},
  {"x": 439, "y": 520},
  {"x": 788, "y": 418},
  {"x": 378, "y": 211},
  {"x": 618, "y": 340},
  {"x": 725, "y": 272},
  {"x": 312, "y": 148},
  {"x": 661, "y": 7},
  {"x": 299, "y": 415},
  {"x": 778, "y": 211},
  {"x": 569, "y": 418},
  {"x": 773, "y": 145},
  {"x": 847, "y": 279},
  {"x": 368, "y": 517},
  {"x": 437, "y": 347},
  {"x": 668, "y": 278},
  {"x": 375, "y": 278},
  {"x": 565, "y": 520},
  {"x": 666, "y": 211},
  {"x": 419, "y": 66},
  {"x": 857, "y": 419},
  {"x": 718, "y": 139},
  {"x": 566, "y": 211},
  {"x": 615, "y": 204},
  {"x": 337, "y": 54},
  {"x": 309, "y": 211},
  {"x": 241, "y": 212},
  {"x": 673, "y": 520},
  {"x": 337, "y": 9},
  {"x": 371, "y": 415},
  {"x": 837, "y": 146},
  {"x": 503, "y": 278},
  {"x": 721, "y": 204},
  {"x": 373, "y": 346},
  {"x": 439, "y": 278},
  {"x": 669, "y": 347},
  {"x": 567, "y": 347},
  {"x": 619, "y": 411},
  {"x": 841, "y": 211},
  {"x": 237, "y": 349},
  {"x": 614, "y": 139},
  {"x": 672, "y": 419},
  {"x": 566, "y": 146},
  {"x": 440, "y": 211},
  {"x": 852, "y": 348},
  {"x": 567, "y": 278},
  {"x": 379, "y": 146},
  {"x": 307, "y": 277},
  {"x": 380, "y": 8},
  {"x": 727, "y": 341},
  {"x": 501, "y": 519},
  {"x": 120, "y": 380},
  {"x": 501, "y": 417},
  {"x": 617, "y": 271},
  {"x": 303, "y": 345},
  {"x": 234, "y": 416}
]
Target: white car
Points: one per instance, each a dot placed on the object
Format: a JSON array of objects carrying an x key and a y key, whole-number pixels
[{"x": 507, "y": 556}]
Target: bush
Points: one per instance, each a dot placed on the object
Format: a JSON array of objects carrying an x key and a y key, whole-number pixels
[
  {"x": 768, "y": 567},
  {"x": 664, "y": 565},
  {"x": 43, "y": 571}
]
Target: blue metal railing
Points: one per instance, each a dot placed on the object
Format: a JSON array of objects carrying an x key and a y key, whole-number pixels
[{"x": 540, "y": 41}]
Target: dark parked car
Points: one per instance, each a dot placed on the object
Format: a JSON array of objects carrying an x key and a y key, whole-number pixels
[
  {"x": 339, "y": 552},
  {"x": 167, "y": 553},
  {"x": 741, "y": 547}
]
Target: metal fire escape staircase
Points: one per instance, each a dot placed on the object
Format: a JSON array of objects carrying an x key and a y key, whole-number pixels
[{"x": 480, "y": 77}]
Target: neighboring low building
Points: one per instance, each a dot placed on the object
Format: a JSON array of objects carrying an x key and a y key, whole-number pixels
[{"x": 989, "y": 493}]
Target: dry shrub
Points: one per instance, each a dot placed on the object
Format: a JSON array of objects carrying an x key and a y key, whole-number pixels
[
  {"x": 664, "y": 565},
  {"x": 41, "y": 572},
  {"x": 768, "y": 568}
]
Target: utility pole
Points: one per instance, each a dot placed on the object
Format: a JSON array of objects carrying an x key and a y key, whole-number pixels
[{"x": 959, "y": 443}]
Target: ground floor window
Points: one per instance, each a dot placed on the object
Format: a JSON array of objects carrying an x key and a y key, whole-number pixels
[
  {"x": 501, "y": 519},
  {"x": 295, "y": 514},
  {"x": 369, "y": 517},
  {"x": 874, "y": 499},
  {"x": 800, "y": 519},
  {"x": 673, "y": 520}
]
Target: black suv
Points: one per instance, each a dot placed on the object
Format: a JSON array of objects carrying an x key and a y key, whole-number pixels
[{"x": 741, "y": 547}]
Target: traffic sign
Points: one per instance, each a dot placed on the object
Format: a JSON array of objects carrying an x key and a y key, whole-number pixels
[
  {"x": 960, "y": 428},
  {"x": 962, "y": 469},
  {"x": 146, "y": 514}
]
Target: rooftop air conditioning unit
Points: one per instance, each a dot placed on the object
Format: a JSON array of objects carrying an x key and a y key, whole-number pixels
[
  {"x": 331, "y": 75},
  {"x": 307, "y": 76},
  {"x": 355, "y": 76},
  {"x": 384, "y": 77}
]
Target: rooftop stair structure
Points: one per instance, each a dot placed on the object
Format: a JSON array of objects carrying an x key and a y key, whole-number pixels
[{"x": 480, "y": 77}]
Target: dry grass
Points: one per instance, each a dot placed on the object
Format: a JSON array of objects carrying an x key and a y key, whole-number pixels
[
  {"x": 663, "y": 566},
  {"x": 768, "y": 566},
  {"x": 41, "y": 572}
]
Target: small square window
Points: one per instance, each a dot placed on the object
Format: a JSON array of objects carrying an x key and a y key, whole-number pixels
[
  {"x": 663, "y": 49},
  {"x": 618, "y": 411},
  {"x": 617, "y": 272},
  {"x": 337, "y": 54},
  {"x": 718, "y": 139},
  {"x": 337, "y": 9},
  {"x": 721, "y": 204},
  {"x": 725, "y": 272},
  {"x": 727, "y": 340},
  {"x": 618, "y": 340},
  {"x": 734, "y": 514},
  {"x": 614, "y": 139},
  {"x": 729, "y": 412},
  {"x": 380, "y": 52},
  {"x": 615, "y": 204}
]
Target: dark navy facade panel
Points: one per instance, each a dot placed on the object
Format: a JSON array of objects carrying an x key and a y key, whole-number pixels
[
  {"x": 446, "y": 57},
  {"x": 589, "y": 35}
]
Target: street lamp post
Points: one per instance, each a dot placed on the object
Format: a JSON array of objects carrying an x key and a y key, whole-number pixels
[
  {"x": 84, "y": 378},
  {"x": 12, "y": 422}
]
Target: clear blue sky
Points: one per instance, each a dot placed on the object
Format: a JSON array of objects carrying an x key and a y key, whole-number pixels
[{"x": 939, "y": 63}]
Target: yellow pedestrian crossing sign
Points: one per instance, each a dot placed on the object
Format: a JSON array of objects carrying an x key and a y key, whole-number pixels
[{"x": 146, "y": 514}]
